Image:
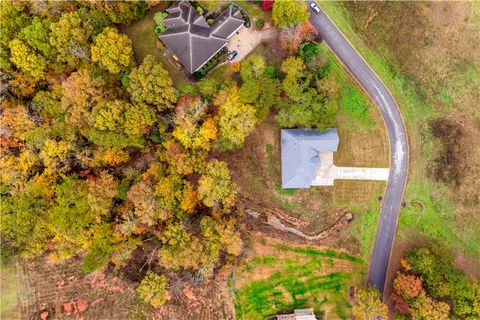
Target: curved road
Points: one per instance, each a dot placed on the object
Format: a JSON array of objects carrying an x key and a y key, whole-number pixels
[{"x": 396, "y": 134}]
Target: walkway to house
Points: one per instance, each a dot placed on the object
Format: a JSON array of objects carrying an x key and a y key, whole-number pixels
[
  {"x": 327, "y": 172},
  {"x": 247, "y": 39}
]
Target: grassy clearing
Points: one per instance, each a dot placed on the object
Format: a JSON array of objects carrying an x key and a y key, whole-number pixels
[
  {"x": 254, "y": 11},
  {"x": 418, "y": 103},
  {"x": 8, "y": 290},
  {"x": 280, "y": 277},
  {"x": 144, "y": 41},
  {"x": 208, "y": 4},
  {"x": 220, "y": 73}
]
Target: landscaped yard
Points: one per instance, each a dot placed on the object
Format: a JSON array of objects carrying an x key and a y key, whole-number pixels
[
  {"x": 279, "y": 277},
  {"x": 144, "y": 40}
]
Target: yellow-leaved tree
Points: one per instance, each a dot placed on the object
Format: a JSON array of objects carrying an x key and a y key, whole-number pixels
[{"x": 112, "y": 50}]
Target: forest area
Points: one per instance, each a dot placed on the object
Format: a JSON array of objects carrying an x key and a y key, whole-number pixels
[{"x": 103, "y": 159}]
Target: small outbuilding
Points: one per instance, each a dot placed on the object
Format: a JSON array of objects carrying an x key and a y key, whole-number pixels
[{"x": 301, "y": 150}]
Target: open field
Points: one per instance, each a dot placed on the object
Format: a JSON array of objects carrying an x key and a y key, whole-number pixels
[
  {"x": 278, "y": 277},
  {"x": 427, "y": 54},
  {"x": 8, "y": 289},
  {"x": 144, "y": 40}
]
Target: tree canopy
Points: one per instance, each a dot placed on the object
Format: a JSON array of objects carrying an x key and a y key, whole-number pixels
[
  {"x": 368, "y": 305},
  {"x": 150, "y": 83},
  {"x": 287, "y": 13},
  {"x": 112, "y": 50}
]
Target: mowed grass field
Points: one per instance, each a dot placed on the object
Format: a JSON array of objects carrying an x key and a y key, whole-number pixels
[
  {"x": 427, "y": 55},
  {"x": 279, "y": 277}
]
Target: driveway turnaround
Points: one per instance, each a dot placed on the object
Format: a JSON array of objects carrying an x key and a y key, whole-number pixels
[
  {"x": 397, "y": 138},
  {"x": 247, "y": 39}
]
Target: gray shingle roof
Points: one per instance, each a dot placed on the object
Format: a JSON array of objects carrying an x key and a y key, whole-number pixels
[
  {"x": 300, "y": 154},
  {"x": 192, "y": 39}
]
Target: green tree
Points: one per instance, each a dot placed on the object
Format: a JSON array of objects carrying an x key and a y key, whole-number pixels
[
  {"x": 208, "y": 87},
  {"x": 305, "y": 107},
  {"x": 99, "y": 248},
  {"x": 309, "y": 51},
  {"x": 368, "y": 305},
  {"x": 70, "y": 217},
  {"x": 123, "y": 12},
  {"x": 442, "y": 280},
  {"x": 112, "y": 50},
  {"x": 216, "y": 188},
  {"x": 151, "y": 84},
  {"x": 180, "y": 249},
  {"x": 154, "y": 289},
  {"x": 287, "y": 13},
  {"x": 13, "y": 18},
  {"x": 69, "y": 39},
  {"x": 158, "y": 17},
  {"x": 218, "y": 234},
  {"x": 235, "y": 119},
  {"x": 253, "y": 67},
  {"x": 258, "y": 88},
  {"x": 37, "y": 35},
  {"x": 22, "y": 220},
  {"x": 72, "y": 33}
]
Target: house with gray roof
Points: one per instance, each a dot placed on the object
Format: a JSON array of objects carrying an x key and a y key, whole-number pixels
[
  {"x": 300, "y": 154},
  {"x": 191, "y": 39}
]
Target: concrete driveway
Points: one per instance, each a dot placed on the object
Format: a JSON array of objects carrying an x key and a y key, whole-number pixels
[
  {"x": 327, "y": 172},
  {"x": 247, "y": 39}
]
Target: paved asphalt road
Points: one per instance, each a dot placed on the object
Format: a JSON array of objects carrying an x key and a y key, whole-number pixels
[{"x": 396, "y": 134}]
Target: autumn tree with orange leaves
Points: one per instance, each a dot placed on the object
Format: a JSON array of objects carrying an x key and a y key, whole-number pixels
[{"x": 292, "y": 37}]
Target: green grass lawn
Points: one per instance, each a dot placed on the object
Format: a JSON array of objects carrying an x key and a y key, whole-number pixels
[
  {"x": 8, "y": 291},
  {"x": 354, "y": 103},
  {"x": 287, "y": 277},
  {"x": 437, "y": 222}
]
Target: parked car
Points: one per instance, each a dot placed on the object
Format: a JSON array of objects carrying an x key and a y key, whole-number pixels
[
  {"x": 315, "y": 7},
  {"x": 232, "y": 55}
]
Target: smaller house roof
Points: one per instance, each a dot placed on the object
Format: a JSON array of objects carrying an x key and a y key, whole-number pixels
[
  {"x": 297, "y": 314},
  {"x": 300, "y": 154}
]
